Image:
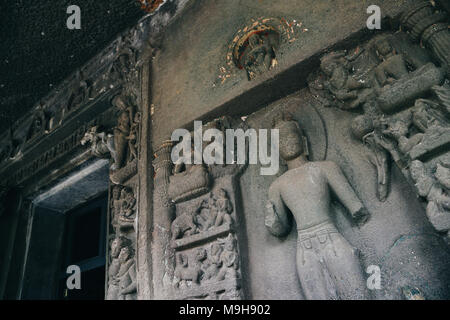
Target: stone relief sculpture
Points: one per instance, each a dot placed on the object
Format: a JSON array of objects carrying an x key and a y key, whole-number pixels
[
  {"x": 122, "y": 267},
  {"x": 126, "y": 134},
  {"x": 401, "y": 104},
  {"x": 209, "y": 271},
  {"x": 122, "y": 272},
  {"x": 424, "y": 23},
  {"x": 102, "y": 144},
  {"x": 188, "y": 272},
  {"x": 210, "y": 213},
  {"x": 123, "y": 207},
  {"x": 327, "y": 265},
  {"x": 257, "y": 46},
  {"x": 195, "y": 204},
  {"x": 435, "y": 189},
  {"x": 340, "y": 83},
  {"x": 122, "y": 130},
  {"x": 256, "y": 51},
  {"x": 121, "y": 146}
]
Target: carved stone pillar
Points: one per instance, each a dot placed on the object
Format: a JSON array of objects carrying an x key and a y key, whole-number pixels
[
  {"x": 429, "y": 26},
  {"x": 163, "y": 263}
]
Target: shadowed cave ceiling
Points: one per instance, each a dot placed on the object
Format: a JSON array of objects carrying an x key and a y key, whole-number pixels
[{"x": 38, "y": 51}]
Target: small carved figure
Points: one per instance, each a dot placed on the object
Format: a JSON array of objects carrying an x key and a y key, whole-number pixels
[
  {"x": 399, "y": 129},
  {"x": 133, "y": 137},
  {"x": 102, "y": 144},
  {"x": 189, "y": 272},
  {"x": 212, "y": 264},
  {"x": 229, "y": 259},
  {"x": 184, "y": 225},
  {"x": 224, "y": 208},
  {"x": 127, "y": 274},
  {"x": 115, "y": 267},
  {"x": 127, "y": 208},
  {"x": 37, "y": 126},
  {"x": 340, "y": 83},
  {"x": 215, "y": 211},
  {"x": 259, "y": 56},
  {"x": 323, "y": 254},
  {"x": 115, "y": 205},
  {"x": 392, "y": 66},
  {"x": 81, "y": 91},
  {"x": 206, "y": 213},
  {"x": 122, "y": 130}
]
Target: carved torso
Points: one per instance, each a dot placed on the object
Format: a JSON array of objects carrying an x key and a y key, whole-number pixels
[{"x": 305, "y": 192}]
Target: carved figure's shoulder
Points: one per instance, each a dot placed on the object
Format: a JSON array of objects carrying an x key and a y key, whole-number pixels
[{"x": 327, "y": 164}]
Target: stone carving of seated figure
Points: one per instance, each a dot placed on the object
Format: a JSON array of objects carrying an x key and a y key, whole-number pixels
[
  {"x": 215, "y": 211},
  {"x": 212, "y": 264},
  {"x": 341, "y": 83},
  {"x": 229, "y": 260},
  {"x": 327, "y": 265},
  {"x": 392, "y": 66}
]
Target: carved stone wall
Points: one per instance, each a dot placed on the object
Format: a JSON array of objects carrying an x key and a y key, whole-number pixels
[
  {"x": 374, "y": 110},
  {"x": 375, "y": 105}
]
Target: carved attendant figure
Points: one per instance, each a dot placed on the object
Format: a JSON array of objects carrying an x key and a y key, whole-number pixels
[
  {"x": 229, "y": 259},
  {"x": 392, "y": 66},
  {"x": 122, "y": 130},
  {"x": 327, "y": 264},
  {"x": 127, "y": 275},
  {"x": 341, "y": 83},
  {"x": 224, "y": 208},
  {"x": 113, "y": 272}
]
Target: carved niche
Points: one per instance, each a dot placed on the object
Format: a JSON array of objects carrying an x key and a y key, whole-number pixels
[
  {"x": 201, "y": 252},
  {"x": 257, "y": 46}
]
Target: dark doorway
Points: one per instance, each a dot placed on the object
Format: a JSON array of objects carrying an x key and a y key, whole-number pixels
[{"x": 84, "y": 246}]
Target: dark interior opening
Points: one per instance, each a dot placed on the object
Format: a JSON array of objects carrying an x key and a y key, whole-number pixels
[{"x": 84, "y": 246}]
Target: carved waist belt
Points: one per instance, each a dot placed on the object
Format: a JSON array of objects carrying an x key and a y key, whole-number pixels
[{"x": 321, "y": 229}]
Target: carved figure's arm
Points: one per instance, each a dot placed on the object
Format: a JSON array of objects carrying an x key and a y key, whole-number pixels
[
  {"x": 132, "y": 287},
  {"x": 277, "y": 218},
  {"x": 344, "y": 191}
]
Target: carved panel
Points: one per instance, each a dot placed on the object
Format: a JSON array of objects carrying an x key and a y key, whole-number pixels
[
  {"x": 195, "y": 214},
  {"x": 400, "y": 97}
]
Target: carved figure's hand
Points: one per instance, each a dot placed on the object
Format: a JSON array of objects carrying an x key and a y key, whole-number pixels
[
  {"x": 273, "y": 222},
  {"x": 361, "y": 216}
]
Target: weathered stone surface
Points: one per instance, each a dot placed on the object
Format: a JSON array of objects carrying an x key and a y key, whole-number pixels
[
  {"x": 188, "y": 66},
  {"x": 374, "y": 121},
  {"x": 400, "y": 217}
]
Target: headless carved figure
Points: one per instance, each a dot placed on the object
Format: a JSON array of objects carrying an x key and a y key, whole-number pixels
[{"x": 327, "y": 265}]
